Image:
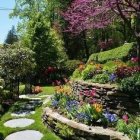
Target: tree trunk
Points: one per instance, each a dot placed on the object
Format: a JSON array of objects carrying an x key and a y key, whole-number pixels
[
  {"x": 137, "y": 33},
  {"x": 85, "y": 45},
  {"x": 138, "y": 50}
]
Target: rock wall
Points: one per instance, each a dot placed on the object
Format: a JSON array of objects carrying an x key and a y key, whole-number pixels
[
  {"x": 80, "y": 131},
  {"x": 108, "y": 95}
]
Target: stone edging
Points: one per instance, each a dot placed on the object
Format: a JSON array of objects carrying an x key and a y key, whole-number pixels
[
  {"x": 106, "y": 86},
  {"x": 99, "y": 132}
]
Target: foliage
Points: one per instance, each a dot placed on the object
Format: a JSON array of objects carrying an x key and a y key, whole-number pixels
[
  {"x": 70, "y": 65},
  {"x": 111, "y": 66},
  {"x": 46, "y": 42},
  {"x": 16, "y": 61},
  {"x": 64, "y": 130},
  {"x": 118, "y": 53},
  {"x": 131, "y": 129},
  {"x": 1, "y": 85},
  {"x": 76, "y": 74},
  {"x": 88, "y": 72},
  {"x": 131, "y": 85},
  {"x": 101, "y": 78}
]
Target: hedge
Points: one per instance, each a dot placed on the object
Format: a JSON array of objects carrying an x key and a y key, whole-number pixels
[{"x": 117, "y": 53}]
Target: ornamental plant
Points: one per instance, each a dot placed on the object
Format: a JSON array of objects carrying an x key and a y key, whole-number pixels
[{"x": 83, "y": 15}]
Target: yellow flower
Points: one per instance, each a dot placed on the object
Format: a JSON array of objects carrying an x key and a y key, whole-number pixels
[{"x": 98, "y": 107}]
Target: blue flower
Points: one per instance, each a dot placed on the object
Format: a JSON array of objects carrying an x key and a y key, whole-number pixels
[
  {"x": 112, "y": 77},
  {"x": 54, "y": 103},
  {"x": 82, "y": 116},
  {"x": 71, "y": 105},
  {"x": 110, "y": 117}
]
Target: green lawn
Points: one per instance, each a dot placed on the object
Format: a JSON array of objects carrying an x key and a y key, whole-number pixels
[{"x": 48, "y": 90}]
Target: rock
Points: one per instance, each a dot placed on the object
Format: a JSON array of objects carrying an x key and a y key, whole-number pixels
[{"x": 22, "y": 113}]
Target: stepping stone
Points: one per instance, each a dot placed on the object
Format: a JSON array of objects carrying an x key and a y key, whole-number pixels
[
  {"x": 22, "y": 113},
  {"x": 23, "y": 122},
  {"x": 27, "y": 97},
  {"x": 25, "y": 135}
]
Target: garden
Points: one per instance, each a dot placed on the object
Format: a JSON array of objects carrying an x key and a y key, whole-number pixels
[{"x": 70, "y": 70}]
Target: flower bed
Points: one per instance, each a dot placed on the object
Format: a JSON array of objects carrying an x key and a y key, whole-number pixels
[
  {"x": 83, "y": 107},
  {"x": 72, "y": 130}
]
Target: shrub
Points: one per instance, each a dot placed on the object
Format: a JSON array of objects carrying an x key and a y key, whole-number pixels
[
  {"x": 88, "y": 72},
  {"x": 117, "y": 53},
  {"x": 70, "y": 65},
  {"x": 131, "y": 85},
  {"x": 131, "y": 129},
  {"x": 76, "y": 74},
  {"x": 101, "y": 78},
  {"x": 91, "y": 70},
  {"x": 111, "y": 66}
]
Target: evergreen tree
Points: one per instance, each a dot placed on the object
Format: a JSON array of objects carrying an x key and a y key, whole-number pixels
[{"x": 11, "y": 36}]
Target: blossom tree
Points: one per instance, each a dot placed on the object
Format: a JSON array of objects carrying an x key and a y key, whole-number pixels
[{"x": 89, "y": 14}]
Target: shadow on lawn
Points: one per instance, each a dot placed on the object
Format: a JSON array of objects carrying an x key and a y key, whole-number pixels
[{"x": 1, "y": 136}]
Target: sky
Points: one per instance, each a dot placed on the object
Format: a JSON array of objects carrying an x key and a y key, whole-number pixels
[{"x": 5, "y": 22}]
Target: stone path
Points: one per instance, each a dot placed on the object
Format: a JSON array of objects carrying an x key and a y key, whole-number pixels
[
  {"x": 25, "y": 135},
  {"x": 23, "y": 122},
  {"x": 25, "y": 110}
]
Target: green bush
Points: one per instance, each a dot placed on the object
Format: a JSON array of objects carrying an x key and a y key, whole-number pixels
[
  {"x": 111, "y": 66},
  {"x": 130, "y": 129},
  {"x": 70, "y": 65},
  {"x": 87, "y": 72},
  {"x": 117, "y": 53},
  {"x": 101, "y": 78},
  {"x": 131, "y": 85},
  {"x": 76, "y": 74}
]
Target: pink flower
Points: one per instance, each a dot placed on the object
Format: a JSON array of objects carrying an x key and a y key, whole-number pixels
[
  {"x": 125, "y": 118},
  {"x": 134, "y": 59},
  {"x": 92, "y": 92}
]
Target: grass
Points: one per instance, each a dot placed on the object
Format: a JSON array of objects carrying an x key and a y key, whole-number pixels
[
  {"x": 48, "y": 90},
  {"x": 38, "y": 125}
]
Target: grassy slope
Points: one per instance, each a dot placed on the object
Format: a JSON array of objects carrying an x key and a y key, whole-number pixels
[
  {"x": 117, "y": 53},
  {"x": 38, "y": 125}
]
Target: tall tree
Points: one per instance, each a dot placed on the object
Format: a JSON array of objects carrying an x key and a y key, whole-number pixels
[{"x": 11, "y": 36}]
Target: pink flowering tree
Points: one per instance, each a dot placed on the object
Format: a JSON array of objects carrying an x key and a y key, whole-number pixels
[{"x": 96, "y": 14}]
